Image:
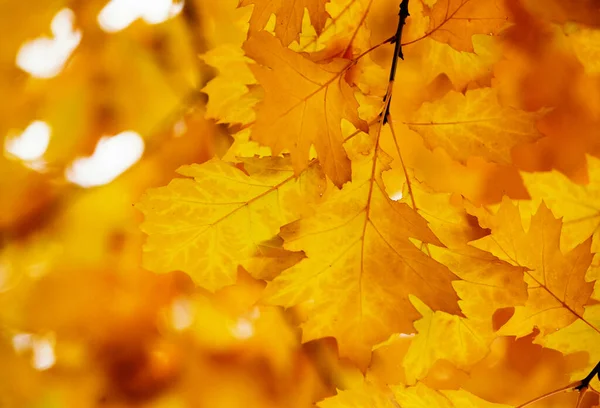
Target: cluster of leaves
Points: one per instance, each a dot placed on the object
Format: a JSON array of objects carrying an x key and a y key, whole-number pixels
[
  {"x": 323, "y": 226},
  {"x": 376, "y": 232}
]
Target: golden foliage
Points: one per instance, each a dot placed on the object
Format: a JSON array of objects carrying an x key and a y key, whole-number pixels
[{"x": 291, "y": 215}]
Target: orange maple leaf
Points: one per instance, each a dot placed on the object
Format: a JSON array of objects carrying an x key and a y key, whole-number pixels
[
  {"x": 361, "y": 266},
  {"x": 474, "y": 124},
  {"x": 422, "y": 396},
  {"x": 557, "y": 290},
  {"x": 220, "y": 217},
  {"x": 455, "y": 21},
  {"x": 559, "y": 304},
  {"x": 304, "y": 105},
  {"x": 288, "y": 24}
]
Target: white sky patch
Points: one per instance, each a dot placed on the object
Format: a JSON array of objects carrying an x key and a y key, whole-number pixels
[
  {"x": 182, "y": 315},
  {"x": 119, "y": 14},
  {"x": 29, "y": 145},
  {"x": 397, "y": 196},
  {"x": 243, "y": 329},
  {"x": 41, "y": 348},
  {"x": 179, "y": 128},
  {"x": 113, "y": 155},
  {"x": 43, "y": 354},
  {"x": 22, "y": 342},
  {"x": 45, "y": 57}
]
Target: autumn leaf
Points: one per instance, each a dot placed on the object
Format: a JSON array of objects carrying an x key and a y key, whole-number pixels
[
  {"x": 486, "y": 284},
  {"x": 296, "y": 260},
  {"x": 557, "y": 288},
  {"x": 455, "y": 21},
  {"x": 474, "y": 124},
  {"x": 578, "y": 204},
  {"x": 218, "y": 217},
  {"x": 442, "y": 336},
  {"x": 361, "y": 266},
  {"x": 229, "y": 97},
  {"x": 558, "y": 292},
  {"x": 288, "y": 23},
  {"x": 421, "y": 396},
  {"x": 581, "y": 335},
  {"x": 366, "y": 395},
  {"x": 461, "y": 67},
  {"x": 304, "y": 105},
  {"x": 585, "y": 43}
]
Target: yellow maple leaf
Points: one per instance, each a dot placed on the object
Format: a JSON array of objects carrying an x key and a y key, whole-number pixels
[
  {"x": 487, "y": 284},
  {"x": 304, "y": 105},
  {"x": 579, "y": 205},
  {"x": 243, "y": 147},
  {"x": 455, "y": 21},
  {"x": 365, "y": 395},
  {"x": 288, "y": 24},
  {"x": 586, "y": 44},
  {"x": 474, "y": 124},
  {"x": 581, "y": 335},
  {"x": 442, "y": 336},
  {"x": 421, "y": 396},
  {"x": 556, "y": 282},
  {"x": 229, "y": 97},
  {"x": 361, "y": 267},
  {"x": 218, "y": 217},
  {"x": 461, "y": 67}
]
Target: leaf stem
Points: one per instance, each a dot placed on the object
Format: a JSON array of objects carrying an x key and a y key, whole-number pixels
[{"x": 404, "y": 169}]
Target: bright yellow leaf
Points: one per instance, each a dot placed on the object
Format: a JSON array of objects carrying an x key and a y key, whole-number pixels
[
  {"x": 218, "y": 217},
  {"x": 304, "y": 105},
  {"x": 288, "y": 24},
  {"x": 581, "y": 335},
  {"x": 556, "y": 282},
  {"x": 442, "y": 336},
  {"x": 474, "y": 124},
  {"x": 365, "y": 396},
  {"x": 361, "y": 266},
  {"x": 229, "y": 98},
  {"x": 577, "y": 204},
  {"x": 421, "y": 396},
  {"x": 586, "y": 44},
  {"x": 455, "y": 21}
]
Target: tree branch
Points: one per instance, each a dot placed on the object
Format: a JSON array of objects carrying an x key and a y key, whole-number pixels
[
  {"x": 585, "y": 383},
  {"x": 397, "y": 39}
]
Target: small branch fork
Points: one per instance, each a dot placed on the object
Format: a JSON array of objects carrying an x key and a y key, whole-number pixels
[
  {"x": 396, "y": 39},
  {"x": 582, "y": 387}
]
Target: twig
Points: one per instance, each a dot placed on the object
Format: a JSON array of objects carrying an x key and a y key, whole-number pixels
[
  {"x": 585, "y": 383},
  {"x": 579, "y": 386},
  {"x": 402, "y": 16}
]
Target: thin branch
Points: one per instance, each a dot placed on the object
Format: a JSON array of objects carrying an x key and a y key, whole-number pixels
[
  {"x": 402, "y": 16},
  {"x": 549, "y": 394},
  {"x": 580, "y": 399},
  {"x": 585, "y": 383},
  {"x": 582, "y": 387}
]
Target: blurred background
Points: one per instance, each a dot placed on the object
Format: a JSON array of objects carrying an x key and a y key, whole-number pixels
[{"x": 102, "y": 99}]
